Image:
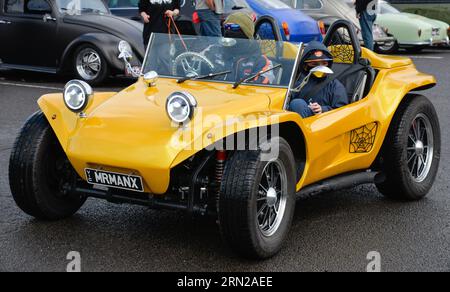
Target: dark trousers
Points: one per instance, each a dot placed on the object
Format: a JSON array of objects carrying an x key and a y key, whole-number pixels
[{"x": 209, "y": 23}]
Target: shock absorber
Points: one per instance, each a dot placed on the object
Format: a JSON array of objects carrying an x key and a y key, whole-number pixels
[{"x": 221, "y": 157}]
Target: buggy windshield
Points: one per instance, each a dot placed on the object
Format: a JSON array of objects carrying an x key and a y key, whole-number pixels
[{"x": 219, "y": 59}]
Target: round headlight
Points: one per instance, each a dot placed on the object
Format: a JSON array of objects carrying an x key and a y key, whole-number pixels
[
  {"x": 180, "y": 107},
  {"x": 124, "y": 46},
  {"x": 76, "y": 95}
]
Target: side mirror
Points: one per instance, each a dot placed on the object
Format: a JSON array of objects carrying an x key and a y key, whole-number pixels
[
  {"x": 228, "y": 42},
  {"x": 151, "y": 78}
]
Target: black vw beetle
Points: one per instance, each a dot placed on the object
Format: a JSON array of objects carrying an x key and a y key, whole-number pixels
[{"x": 80, "y": 37}]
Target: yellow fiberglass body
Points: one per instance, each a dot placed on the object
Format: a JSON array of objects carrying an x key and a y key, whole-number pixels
[
  {"x": 207, "y": 129},
  {"x": 131, "y": 131}
]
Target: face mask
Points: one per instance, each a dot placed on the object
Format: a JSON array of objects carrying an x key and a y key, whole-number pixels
[{"x": 319, "y": 75}]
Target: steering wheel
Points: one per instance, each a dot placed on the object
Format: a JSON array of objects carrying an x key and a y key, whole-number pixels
[{"x": 192, "y": 64}]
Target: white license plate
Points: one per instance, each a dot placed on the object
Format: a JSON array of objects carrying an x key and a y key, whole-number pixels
[{"x": 114, "y": 180}]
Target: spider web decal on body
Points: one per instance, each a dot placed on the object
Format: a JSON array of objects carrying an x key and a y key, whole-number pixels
[
  {"x": 341, "y": 47},
  {"x": 363, "y": 139}
]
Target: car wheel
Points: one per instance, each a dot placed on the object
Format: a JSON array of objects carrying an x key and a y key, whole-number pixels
[
  {"x": 388, "y": 48},
  {"x": 90, "y": 65},
  {"x": 412, "y": 150},
  {"x": 40, "y": 174},
  {"x": 257, "y": 201}
]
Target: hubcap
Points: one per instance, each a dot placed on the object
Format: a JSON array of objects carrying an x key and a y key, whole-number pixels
[
  {"x": 272, "y": 198},
  {"x": 420, "y": 148},
  {"x": 89, "y": 64}
]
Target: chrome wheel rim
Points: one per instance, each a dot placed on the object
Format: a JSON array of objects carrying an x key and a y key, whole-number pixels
[
  {"x": 420, "y": 148},
  {"x": 89, "y": 64},
  {"x": 272, "y": 198}
]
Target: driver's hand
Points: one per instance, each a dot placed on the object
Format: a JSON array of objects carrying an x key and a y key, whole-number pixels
[
  {"x": 316, "y": 108},
  {"x": 145, "y": 17}
]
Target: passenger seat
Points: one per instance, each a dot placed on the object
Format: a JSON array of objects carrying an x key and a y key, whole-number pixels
[{"x": 358, "y": 84}]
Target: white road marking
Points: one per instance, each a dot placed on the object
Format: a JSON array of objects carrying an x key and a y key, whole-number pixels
[
  {"x": 426, "y": 57},
  {"x": 31, "y": 86}
]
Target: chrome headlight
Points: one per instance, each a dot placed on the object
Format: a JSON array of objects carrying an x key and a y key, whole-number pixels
[
  {"x": 76, "y": 95},
  {"x": 180, "y": 107}
]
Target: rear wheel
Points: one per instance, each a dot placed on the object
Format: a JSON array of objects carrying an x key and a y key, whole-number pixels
[
  {"x": 412, "y": 150},
  {"x": 40, "y": 175},
  {"x": 257, "y": 201}
]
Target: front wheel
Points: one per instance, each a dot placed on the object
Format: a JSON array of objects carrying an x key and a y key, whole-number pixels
[
  {"x": 90, "y": 65},
  {"x": 412, "y": 150},
  {"x": 40, "y": 175},
  {"x": 257, "y": 201}
]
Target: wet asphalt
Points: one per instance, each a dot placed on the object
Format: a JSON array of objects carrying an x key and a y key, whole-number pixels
[{"x": 330, "y": 232}]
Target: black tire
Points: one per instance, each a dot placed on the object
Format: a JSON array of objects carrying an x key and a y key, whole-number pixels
[
  {"x": 103, "y": 72},
  {"x": 238, "y": 203},
  {"x": 39, "y": 171},
  {"x": 387, "y": 50},
  {"x": 402, "y": 180},
  {"x": 414, "y": 50}
]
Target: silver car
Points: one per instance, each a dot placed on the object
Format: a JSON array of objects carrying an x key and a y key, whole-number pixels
[{"x": 328, "y": 11}]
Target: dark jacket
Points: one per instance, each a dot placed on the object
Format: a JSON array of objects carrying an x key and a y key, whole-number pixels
[
  {"x": 361, "y": 5},
  {"x": 332, "y": 96},
  {"x": 156, "y": 9}
]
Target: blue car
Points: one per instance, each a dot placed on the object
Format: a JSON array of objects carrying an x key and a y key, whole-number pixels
[{"x": 295, "y": 26}]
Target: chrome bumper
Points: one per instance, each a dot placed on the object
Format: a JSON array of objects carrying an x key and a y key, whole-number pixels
[
  {"x": 430, "y": 42},
  {"x": 382, "y": 41}
]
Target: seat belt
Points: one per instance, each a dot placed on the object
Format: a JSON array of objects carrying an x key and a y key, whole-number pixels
[{"x": 316, "y": 89}]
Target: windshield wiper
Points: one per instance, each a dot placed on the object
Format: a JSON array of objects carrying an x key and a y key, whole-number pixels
[
  {"x": 210, "y": 75},
  {"x": 245, "y": 79}
]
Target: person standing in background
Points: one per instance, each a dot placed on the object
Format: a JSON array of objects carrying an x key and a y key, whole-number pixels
[
  {"x": 155, "y": 14},
  {"x": 366, "y": 12},
  {"x": 209, "y": 12}
]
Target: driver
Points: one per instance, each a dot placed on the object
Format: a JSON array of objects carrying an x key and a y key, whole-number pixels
[
  {"x": 247, "y": 59},
  {"x": 331, "y": 96}
]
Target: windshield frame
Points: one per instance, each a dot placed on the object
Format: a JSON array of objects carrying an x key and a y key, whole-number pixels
[
  {"x": 60, "y": 10},
  {"x": 288, "y": 87}
]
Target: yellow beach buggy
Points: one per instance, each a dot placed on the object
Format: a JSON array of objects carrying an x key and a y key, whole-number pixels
[{"x": 192, "y": 135}]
